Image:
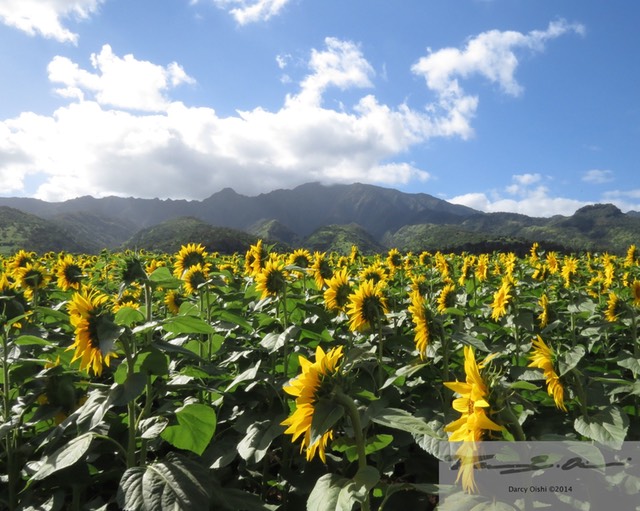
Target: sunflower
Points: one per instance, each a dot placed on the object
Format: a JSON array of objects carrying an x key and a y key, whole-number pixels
[
  {"x": 321, "y": 269},
  {"x": 173, "y": 300},
  {"x": 630, "y": 259},
  {"x": 69, "y": 273},
  {"x": 367, "y": 305},
  {"x": 501, "y": 300},
  {"x": 336, "y": 296},
  {"x": 300, "y": 257},
  {"x": 255, "y": 258},
  {"x": 419, "y": 317},
  {"x": 482, "y": 267},
  {"x": 394, "y": 260},
  {"x": 465, "y": 271},
  {"x": 194, "y": 277},
  {"x": 374, "y": 272},
  {"x": 474, "y": 408},
  {"x": 189, "y": 255},
  {"x": 635, "y": 292},
  {"x": 31, "y": 277},
  {"x": 308, "y": 387},
  {"x": 91, "y": 319},
  {"x": 569, "y": 269},
  {"x": 614, "y": 307},
  {"x": 552, "y": 262},
  {"x": 272, "y": 280},
  {"x": 543, "y": 317},
  {"x": 20, "y": 259},
  {"x": 542, "y": 358},
  {"x": 446, "y": 298}
]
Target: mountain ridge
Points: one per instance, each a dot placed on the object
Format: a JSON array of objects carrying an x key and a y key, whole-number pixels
[{"x": 333, "y": 213}]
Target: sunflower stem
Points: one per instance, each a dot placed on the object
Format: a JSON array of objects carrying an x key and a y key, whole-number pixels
[
  {"x": 507, "y": 413},
  {"x": 9, "y": 438},
  {"x": 354, "y": 415}
]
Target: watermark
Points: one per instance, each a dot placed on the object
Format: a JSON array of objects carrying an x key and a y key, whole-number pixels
[{"x": 555, "y": 476}]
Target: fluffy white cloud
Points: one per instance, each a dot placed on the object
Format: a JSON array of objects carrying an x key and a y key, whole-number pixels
[
  {"x": 250, "y": 11},
  {"x": 122, "y": 134},
  {"x": 626, "y": 200},
  {"x": 44, "y": 17},
  {"x": 491, "y": 55},
  {"x": 597, "y": 176},
  {"x": 525, "y": 199},
  {"x": 119, "y": 82}
]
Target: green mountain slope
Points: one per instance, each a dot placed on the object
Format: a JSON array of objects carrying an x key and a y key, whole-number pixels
[
  {"x": 169, "y": 236},
  {"x": 340, "y": 239}
]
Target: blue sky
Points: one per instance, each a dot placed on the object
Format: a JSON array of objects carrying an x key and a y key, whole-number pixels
[{"x": 502, "y": 105}]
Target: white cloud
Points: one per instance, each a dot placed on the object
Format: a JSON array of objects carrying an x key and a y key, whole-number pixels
[
  {"x": 122, "y": 134},
  {"x": 529, "y": 200},
  {"x": 626, "y": 200},
  {"x": 250, "y": 11},
  {"x": 119, "y": 82},
  {"x": 44, "y": 17},
  {"x": 490, "y": 55},
  {"x": 597, "y": 176}
]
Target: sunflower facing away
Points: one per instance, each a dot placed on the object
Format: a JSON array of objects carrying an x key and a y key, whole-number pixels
[
  {"x": 89, "y": 315},
  {"x": 307, "y": 388},
  {"x": 542, "y": 358},
  {"x": 419, "y": 317},
  {"x": 367, "y": 305},
  {"x": 474, "y": 420}
]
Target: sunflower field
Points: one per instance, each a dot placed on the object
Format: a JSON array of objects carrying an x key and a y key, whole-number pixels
[{"x": 291, "y": 381}]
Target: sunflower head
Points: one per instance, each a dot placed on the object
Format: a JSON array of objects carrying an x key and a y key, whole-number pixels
[
  {"x": 133, "y": 270},
  {"x": 195, "y": 277},
  {"x": 313, "y": 384},
  {"x": 615, "y": 307},
  {"x": 322, "y": 270},
  {"x": 419, "y": 316},
  {"x": 446, "y": 298},
  {"x": 31, "y": 277},
  {"x": 95, "y": 331},
  {"x": 69, "y": 273},
  {"x": 367, "y": 306},
  {"x": 272, "y": 280},
  {"x": 635, "y": 292},
  {"x": 173, "y": 300},
  {"x": 543, "y": 357},
  {"x": 189, "y": 255},
  {"x": 336, "y": 296},
  {"x": 300, "y": 257},
  {"x": 501, "y": 300}
]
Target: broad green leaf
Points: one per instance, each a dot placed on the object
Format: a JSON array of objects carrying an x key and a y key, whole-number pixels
[
  {"x": 232, "y": 317},
  {"x": 29, "y": 340},
  {"x": 397, "y": 418},
  {"x": 523, "y": 385},
  {"x": 630, "y": 362},
  {"x": 274, "y": 341},
  {"x": 132, "y": 387},
  {"x": 152, "y": 427},
  {"x": 108, "y": 334},
  {"x": 357, "y": 488},
  {"x": 608, "y": 426},
  {"x": 152, "y": 361},
  {"x": 570, "y": 358},
  {"x": 175, "y": 483},
  {"x": 187, "y": 325},
  {"x": 249, "y": 374},
  {"x": 195, "y": 428},
  {"x": 162, "y": 277},
  {"x": 325, "y": 415},
  {"x": 372, "y": 444},
  {"x": 127, "y": 316},
  {"x": 64, "y": 457},
  {"x": 259, "y": 436},
  {"x": 325, "y": 493}
]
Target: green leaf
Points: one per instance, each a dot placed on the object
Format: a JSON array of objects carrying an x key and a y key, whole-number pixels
[
  {"x": 231, "y": 317},
  {"x": 249, "y": 374},
  {"x": 64, "y": 457},
  {"x": 357, "y": 488},
  {"x": 372, "y": 444},
  {"x": 30, "y": 340},
  {"x": 127, "y": 316},
  {"x": 108, "y": 334},
  {"x": 608, "y": 426},
  {"x": 175, "y": 483},
  {"x": 162, "y": 277},
  {"x": 400, "y": 419},
  {"x": 325, "y": 493},
  {"x": 325, "y": 415},
  {"x": 132, "y": 387},
  {"x": 195, "y": 428},
  {"x": 187, "y": 325},
  {"x": 152, "y": 361},
  {"x": 569, "y": 359},
  {"x": 629, "y": 362},
  {"x": 259, "y": 436},
  {"x": 523, "y": 385}
]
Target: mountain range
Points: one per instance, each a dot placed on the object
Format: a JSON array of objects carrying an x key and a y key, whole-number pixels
[{"x": 315, "y": 216}]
